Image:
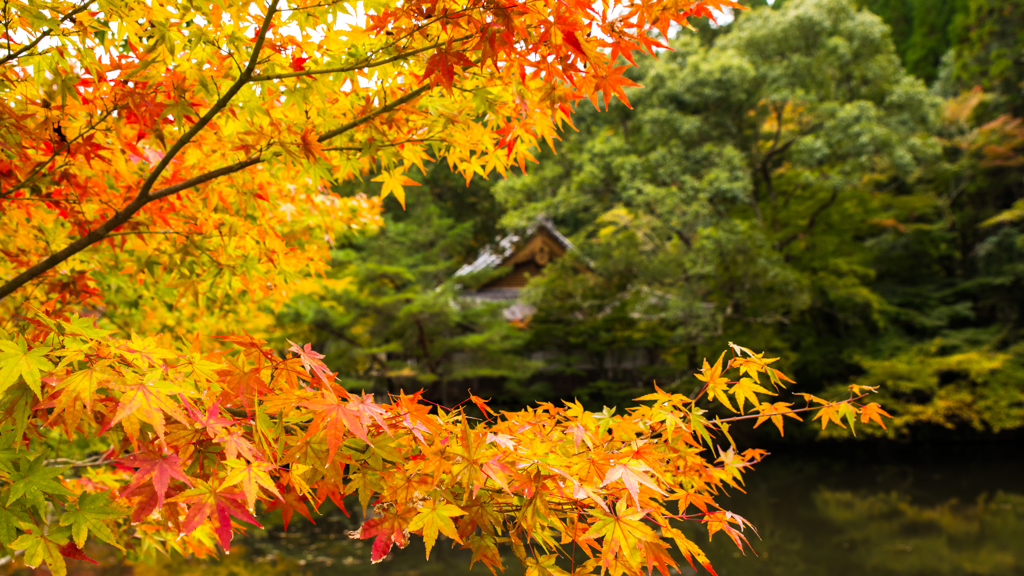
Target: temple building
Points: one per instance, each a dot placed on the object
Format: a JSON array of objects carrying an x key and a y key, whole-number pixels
[{"x": 516, "y": 258}]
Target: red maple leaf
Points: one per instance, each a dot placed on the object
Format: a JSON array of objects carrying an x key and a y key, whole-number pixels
[
  {"x": 69, "y": 550},
  {"x": 160, "y": 468},
  {"x": 391, "y": 527},
  {"x": 311, "y": 359},
  {"x": 207, "y": 501},
  {"x": 441, "y": 67},
  {"x": 289, "y": 503},
  {"x": 333, "y": 419}
]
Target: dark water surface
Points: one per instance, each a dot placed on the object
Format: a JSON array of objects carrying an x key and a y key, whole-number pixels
[{"x": 910, "y": 511}]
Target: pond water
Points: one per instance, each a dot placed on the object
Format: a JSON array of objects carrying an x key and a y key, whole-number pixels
[{"x": 906, "y": 512}]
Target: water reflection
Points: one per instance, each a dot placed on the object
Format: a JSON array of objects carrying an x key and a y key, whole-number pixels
[
  {"x": 950, "y": 515},
  {"x": 961, "y": 515}
]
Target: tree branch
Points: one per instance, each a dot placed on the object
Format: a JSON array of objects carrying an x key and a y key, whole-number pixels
[
  {"x": 382, "y": 110},
  {"x": 352, "y": 67},
  {"x": 783, "y": 413},
  {"x": 143, "y": 197},
  {"x": 21, "y": 51},
  {"x": 810, "y": 221}
]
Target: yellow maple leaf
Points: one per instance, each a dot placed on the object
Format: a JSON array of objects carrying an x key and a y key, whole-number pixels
[
  {"x": 394, "y": 182},
  {"x": 746, "y": 389},
  {"x": 715, "y": 382},
  {"x": 436, "y": 517}
]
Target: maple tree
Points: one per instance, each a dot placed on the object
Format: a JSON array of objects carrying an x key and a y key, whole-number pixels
[{"x": 167, "y": 171}]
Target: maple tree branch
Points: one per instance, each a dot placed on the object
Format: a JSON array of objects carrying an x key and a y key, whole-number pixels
[
  {"x": 805, "y": 409},
  {"x": 144, "y": 197},
  {"x": 21, "y": 51},
  {"x": 221, "y": 103},
  {"x": 88, "y": 463},
  {"x": 388, "y": 145},
  {"x": 211, "y": 175},
  {"x": 144, "y": 232},
  {"x": 352, "y": 67},
  {"x": 366, "y": 118}
]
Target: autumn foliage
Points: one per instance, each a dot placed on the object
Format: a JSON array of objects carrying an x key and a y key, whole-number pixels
[
  {"x": 166, "y": 175},
  {"x": 199, "y": 439}
]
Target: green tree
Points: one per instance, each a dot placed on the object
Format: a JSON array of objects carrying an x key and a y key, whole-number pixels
[
  {"x": 989, "y": 51},
  {"x": 922, "y": 30},
  {"x": 735, "y": 195}
]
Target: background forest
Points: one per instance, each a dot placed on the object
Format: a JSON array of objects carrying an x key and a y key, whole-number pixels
[{"x": 838, "y": 183}]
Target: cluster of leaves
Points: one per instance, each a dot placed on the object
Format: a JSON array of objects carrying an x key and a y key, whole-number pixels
[
  {"x": 194, "y": 146},
  {"x": 196, "y": 440}
]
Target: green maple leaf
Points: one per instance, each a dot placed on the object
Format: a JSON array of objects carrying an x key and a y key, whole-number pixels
[
  {"x": 16, "y": 410},
  {"x": 17, "y": 360},
  {"x": 87, "y": 515},
  {"x": 34, "y": 479},
  {"x": 79, "y": 326},
  {"x": 11, "y": 519},
  {"x": 40, "y": 548}
]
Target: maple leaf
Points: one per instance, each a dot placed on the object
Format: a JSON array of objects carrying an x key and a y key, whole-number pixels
[
  {"x": 775, "y": 411},
  {"x": 206, "y": 501},
  {"x": 70, "y": 550},
  {"x": 212, "y": 421},
  {"x": 387, "y": 529},
  {"x": 441, "y": 67},
  {"x": 611, "y": 83},
  {"x": 715, "y": 383},
  {"x": 149, "y": 401},
  {"x": 34, "y": 479},
  {"x": 394, "y": 182},
  {"x": 289, "y": 503},
  {"x": 88, "y": 515},
  {"x": 44, "y": 548},
  {"x": 504, "y": 440},
  {"x": 829, "y": 413},
  {"x": 873, "y": 413},
  {"x": 620, "y": 531},
  {"x": 75, "y": 392},
  {"x": 17, "y": 360},
  {"x": 312, "y": 360},
  {"x": 251, "y": 476},
  {"x": 160, "y": 468},
  {"x": 333, "y": 419},
  {"x": 485, "y": 549},
  {"x": 11, "y": 517},
  {"x": 747, "y": 389},
  {"x": 236, "y": 443},
  {"x": 631, "y": 475},
  {"x": 433, "y": 518}
]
